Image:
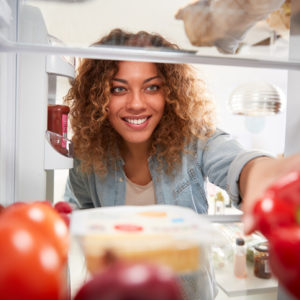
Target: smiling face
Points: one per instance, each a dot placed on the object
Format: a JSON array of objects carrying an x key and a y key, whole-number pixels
[{"x": 137, "y": 101}]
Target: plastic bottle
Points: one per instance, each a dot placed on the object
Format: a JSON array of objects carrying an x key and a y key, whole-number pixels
[
  {"x": 219, "y": 204},
  {"x": 239, "y": 263}
]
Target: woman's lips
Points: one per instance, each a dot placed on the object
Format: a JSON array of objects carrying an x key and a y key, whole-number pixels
[{"x": 137, "y": 123}]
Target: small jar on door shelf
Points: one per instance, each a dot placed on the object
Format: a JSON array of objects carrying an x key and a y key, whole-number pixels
[{"x": 261, "y": 261}]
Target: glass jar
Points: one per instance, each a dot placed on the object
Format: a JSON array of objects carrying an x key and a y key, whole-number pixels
[
  {"x": 261, "y": 261},
  {"x": 58, "y": 119},
  {"x": 57, "y": 128}
]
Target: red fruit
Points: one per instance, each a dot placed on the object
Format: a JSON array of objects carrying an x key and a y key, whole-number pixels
[
  {"x": 42, "y": 218},
  {"x": 134, "y": 281},
  {"x": 63, "y": 207},
  {"x": 1, "y": 208},
  {"x": 285, "y": 257}
]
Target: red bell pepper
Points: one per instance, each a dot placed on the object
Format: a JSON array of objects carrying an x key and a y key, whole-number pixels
[{"x": 277, "y": 215}]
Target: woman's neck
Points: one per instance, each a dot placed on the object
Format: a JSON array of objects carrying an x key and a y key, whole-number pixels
[
  {"x": 136, "y": 152},
  {"x": 136, "y": 163}
]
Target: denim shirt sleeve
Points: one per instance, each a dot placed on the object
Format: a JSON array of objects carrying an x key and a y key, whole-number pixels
[
  {"x": 77, "y": 190},
  {"x": 223, "y": 160}
]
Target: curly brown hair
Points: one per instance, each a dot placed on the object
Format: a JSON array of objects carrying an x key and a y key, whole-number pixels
[{"x": 188, "y": 111}]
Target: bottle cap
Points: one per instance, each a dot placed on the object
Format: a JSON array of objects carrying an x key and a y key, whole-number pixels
[{"x": 240, "y": 241}]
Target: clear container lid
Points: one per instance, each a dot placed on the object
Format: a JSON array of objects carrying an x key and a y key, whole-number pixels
[{"x": 165, "y": 234}]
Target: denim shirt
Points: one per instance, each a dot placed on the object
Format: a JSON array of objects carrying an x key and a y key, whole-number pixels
[{"x": 219, "y": 158}]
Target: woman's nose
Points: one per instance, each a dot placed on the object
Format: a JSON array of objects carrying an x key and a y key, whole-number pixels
[{"x": 136, "y": 101}]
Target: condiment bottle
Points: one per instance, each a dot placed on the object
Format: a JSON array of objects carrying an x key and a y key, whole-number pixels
[
  {"x": 219, "y": 204},
  {"x": 239, "y": 261},
  {"x": 261, "y": 261},
  {"x": 58, "y": 123},
  {"x": 58, "y": 119}
]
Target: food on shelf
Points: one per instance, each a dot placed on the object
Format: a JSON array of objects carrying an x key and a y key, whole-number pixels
[
  {"x": 164, "y": 235},
  {"x": 261, "y": 261},
  {"x": 159, "y": 249},
  {"x": 225, "y": 23},
  {"x": 33, "y": 254},
  {"x": 65, "y": 210},
  {"x": 135, "y": 281},
  {"x": 279, "y": 20},
  {"x": 219, "y": 204},
  {"x": 239, "y": 259}
]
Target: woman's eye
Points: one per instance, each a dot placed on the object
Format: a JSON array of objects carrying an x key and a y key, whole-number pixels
[
  {"x": 117, "y": 89},
  {"x": 153, "y": 88}
]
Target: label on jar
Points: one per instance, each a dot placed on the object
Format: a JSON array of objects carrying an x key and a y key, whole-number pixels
[
  {"x": 267, "y": 267},
  {"x": 64, "y": 123}
]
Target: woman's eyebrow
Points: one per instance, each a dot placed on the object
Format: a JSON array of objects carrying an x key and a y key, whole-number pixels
[
  {"x": 151, "y": 78},
  {"x": 120, "y": 80},
  {"x": 126, "y": 82}
]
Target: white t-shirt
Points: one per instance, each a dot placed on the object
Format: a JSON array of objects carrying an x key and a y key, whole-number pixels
[{"x": 139, "y": 194}]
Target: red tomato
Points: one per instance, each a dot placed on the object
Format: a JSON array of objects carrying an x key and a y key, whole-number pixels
[
  {"x": 43, "y": 217},
  {"x": 32, "y": 253}
]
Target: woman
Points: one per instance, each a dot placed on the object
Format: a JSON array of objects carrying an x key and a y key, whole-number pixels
[
  {"x": 147, "y": 126},
  {"x": 144, "y": 133}
]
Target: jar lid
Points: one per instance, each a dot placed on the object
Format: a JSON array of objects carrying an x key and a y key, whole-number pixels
[{"x": 262, "y": 247}]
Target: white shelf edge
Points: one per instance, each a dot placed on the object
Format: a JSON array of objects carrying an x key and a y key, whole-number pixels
[
  {"x": 226, "y": 218},
  {"x": 115, "y": 53},
  {"x": 250, "y": 285}
]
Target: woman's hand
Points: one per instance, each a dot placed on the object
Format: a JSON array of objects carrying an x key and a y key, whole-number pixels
[{"x": 257, "y": 176}]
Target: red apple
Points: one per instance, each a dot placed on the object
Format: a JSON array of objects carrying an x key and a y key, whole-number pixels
[{"x": 134, "y": 281}]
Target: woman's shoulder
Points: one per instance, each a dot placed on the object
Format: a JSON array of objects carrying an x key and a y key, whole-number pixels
[{"x": 201, "y": 142}]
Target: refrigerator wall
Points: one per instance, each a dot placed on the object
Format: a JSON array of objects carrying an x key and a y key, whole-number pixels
[
  {"x": 27, "y": 159},
  {"x": 8, "y": 95}
]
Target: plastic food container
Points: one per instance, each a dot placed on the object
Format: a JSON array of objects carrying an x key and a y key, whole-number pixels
[{"x": 169, "y": 235}]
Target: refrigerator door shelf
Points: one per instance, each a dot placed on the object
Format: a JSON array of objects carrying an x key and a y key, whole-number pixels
[
  {"x": 58, "y": 65},
  {"x": 58, "y": 152}
]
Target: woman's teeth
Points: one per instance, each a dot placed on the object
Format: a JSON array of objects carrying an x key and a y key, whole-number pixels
[{"x": 136, "y": 121}]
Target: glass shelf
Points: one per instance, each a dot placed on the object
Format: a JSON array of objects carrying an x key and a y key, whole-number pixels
[
  {"x": 80, "y": 23},
  {"x": 144, "y": 54}
]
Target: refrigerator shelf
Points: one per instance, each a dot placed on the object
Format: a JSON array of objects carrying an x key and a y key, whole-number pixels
[{"x": 144, "y": 54}]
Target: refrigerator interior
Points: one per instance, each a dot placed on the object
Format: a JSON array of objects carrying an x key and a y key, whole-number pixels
[{"x": 28, "y": 84}]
